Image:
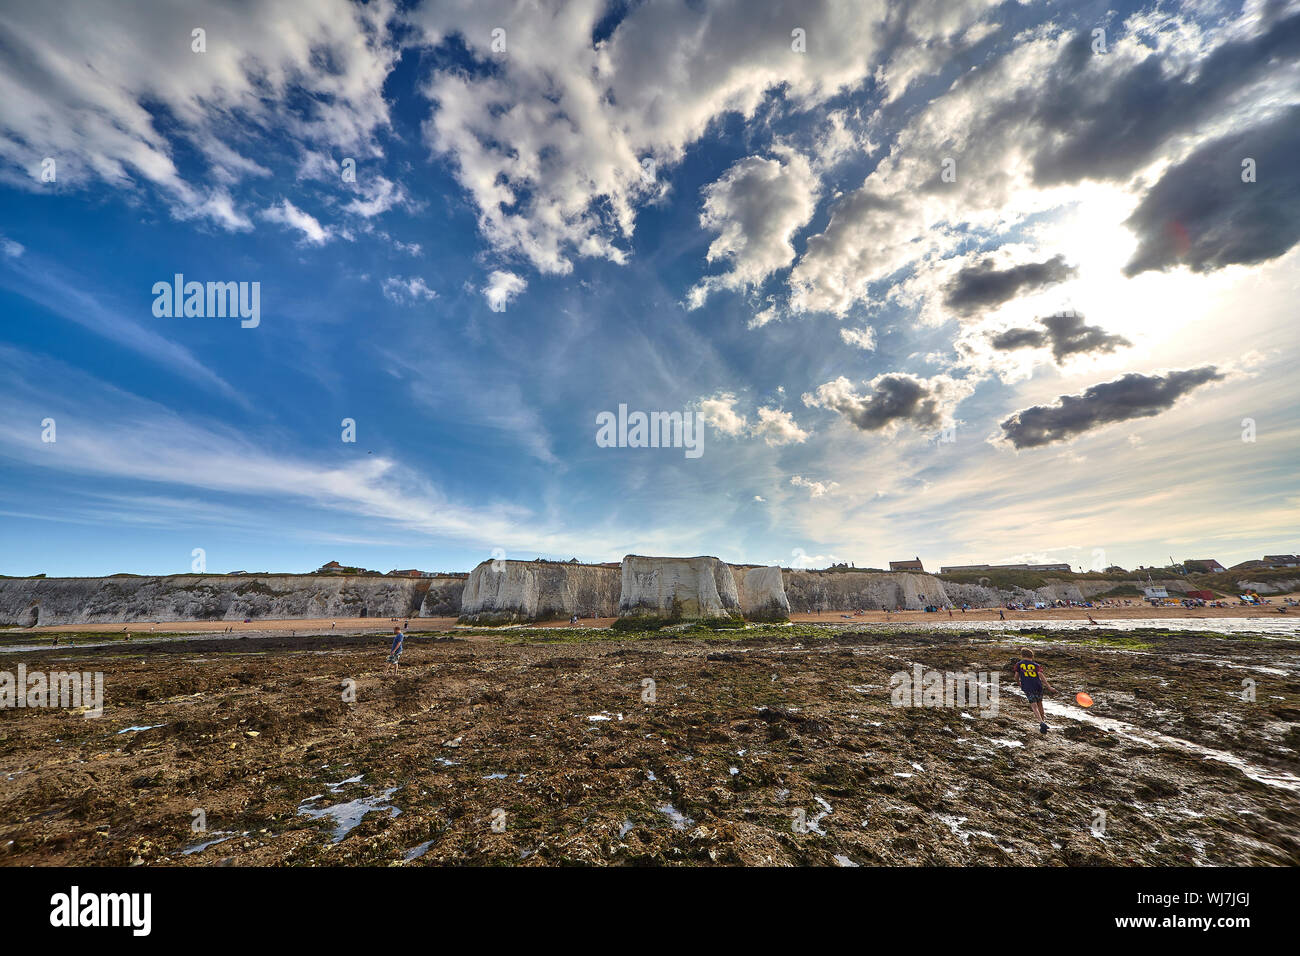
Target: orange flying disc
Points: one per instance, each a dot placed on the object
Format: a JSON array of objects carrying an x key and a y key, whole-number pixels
[{"x": 1083, "y": 699}]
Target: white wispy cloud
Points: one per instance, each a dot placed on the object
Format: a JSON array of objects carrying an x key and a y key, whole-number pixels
[
  {"x": 407, "y": 291},
  {"x": 816, "y": 489},
  {"x": 287, "y": 214},
  {"x": 86, "y": 91}
]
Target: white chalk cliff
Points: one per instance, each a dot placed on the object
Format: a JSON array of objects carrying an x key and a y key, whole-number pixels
[
  {"x": 813, "y": 591},
  {"x": 699, "y": 587},
  {"x": 762, "y": 593},
  {"x": 501, "y": 591},
  {"x": 216, "y": 597}
]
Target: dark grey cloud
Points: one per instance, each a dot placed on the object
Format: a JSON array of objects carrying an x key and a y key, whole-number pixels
[
  {"x": 983, "y": 286},
  {"x": 1066, "y": 334},
  {"x": 892, "y": 399},
  {"x": 1104, "y": 122},
  {"x": 1201, "y": 215},
  {"x": 1132, "y": 396}
]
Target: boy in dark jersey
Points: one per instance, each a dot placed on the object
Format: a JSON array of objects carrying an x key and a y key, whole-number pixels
[
  {"x": 395, "y": 654},
  {"x": 1032, "y": 682}
]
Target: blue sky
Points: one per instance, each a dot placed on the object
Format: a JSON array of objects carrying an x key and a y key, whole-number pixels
[{"x": 1054, "y": 356}]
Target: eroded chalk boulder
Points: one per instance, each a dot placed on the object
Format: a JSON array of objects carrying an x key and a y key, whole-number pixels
[
  {"x": 501, "y": 591},
  {"x": 677, "y": 588}
]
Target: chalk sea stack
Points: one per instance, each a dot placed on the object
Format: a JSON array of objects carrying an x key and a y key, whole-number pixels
[
  {"x": 504, "y": 592},
  {"x": 677, "y": 588},
  {"x": 762, "y": 593}
]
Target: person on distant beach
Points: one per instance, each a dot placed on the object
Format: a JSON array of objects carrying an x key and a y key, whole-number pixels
[
  {"x": 1001, "y": 616},
  {"x": 395, "y": 652},
  {"x": 1033, "y": 682}
]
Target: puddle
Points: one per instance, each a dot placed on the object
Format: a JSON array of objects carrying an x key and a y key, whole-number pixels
[
  {"x": 203, "y": 846},
  {"x": 348, "y": 815},
  {"x": 812, "y": 823},
  {"x": 128, "y": 730},
  {"x": 842, "y": 860},
  {"x": 418, "y": 851}
]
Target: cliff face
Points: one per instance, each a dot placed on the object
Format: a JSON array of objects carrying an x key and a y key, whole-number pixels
[
  {"x": 443, "y": 597},
  {"x": 501, "y": 591},
  {"x": 524, "y": 590},
  {"x": 762, "y": 593},
  {"x": 677, "y": 587},
  {"x": 31, "y": 601},
  {"x": 1273, "y": 586},
  {"x": 983, "y": 595},
  {"x": 813, "y": 591}
]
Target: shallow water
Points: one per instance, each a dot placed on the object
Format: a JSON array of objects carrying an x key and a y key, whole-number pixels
[
  {"x": 348, "y": 815},
  {"x": 1272, "y": 627},
  {"x": 1152, "y": 738},
  {"x": 139, "y": 727},
  {"x": 203, "y": 846},
  {"x": 419, "y": 851}
]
